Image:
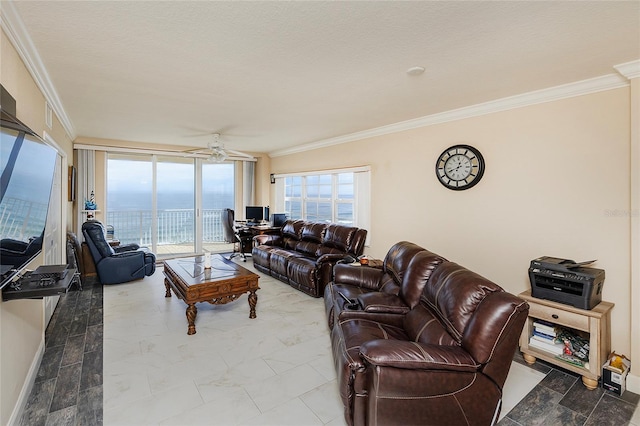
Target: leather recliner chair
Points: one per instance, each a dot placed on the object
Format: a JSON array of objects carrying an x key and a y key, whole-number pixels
[
  {"x": 380, "y": 293},
  {"x": 437, "y": 359},
  {"x": 120, "y": 264}
]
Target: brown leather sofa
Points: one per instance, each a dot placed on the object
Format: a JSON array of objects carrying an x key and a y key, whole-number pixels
[
  {"x": 303, "y": 253},
  {"x": 421, "y": 341}
]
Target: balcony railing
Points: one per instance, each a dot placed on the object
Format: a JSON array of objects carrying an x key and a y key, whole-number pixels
[
  {"x": 21, "y": 219},
  {"x": 175, "y": 226}
]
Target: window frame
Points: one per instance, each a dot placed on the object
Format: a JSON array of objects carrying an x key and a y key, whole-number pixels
[{"x": 360, "y": 202}]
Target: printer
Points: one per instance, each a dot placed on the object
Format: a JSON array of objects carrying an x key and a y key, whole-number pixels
[{"x": 565, "y": 281}]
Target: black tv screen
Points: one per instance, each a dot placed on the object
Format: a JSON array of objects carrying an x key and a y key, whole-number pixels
[{"x": 27, "y": 166}]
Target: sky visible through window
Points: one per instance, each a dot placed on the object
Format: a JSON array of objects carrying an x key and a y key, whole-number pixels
[{"x": 130, "y": 184}]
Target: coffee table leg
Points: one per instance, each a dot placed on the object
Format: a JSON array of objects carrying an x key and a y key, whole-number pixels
[
  {"x": 253, "y": 300},
  {"x": 168, "y": 292},
  {"x": 192, "y": 311}
]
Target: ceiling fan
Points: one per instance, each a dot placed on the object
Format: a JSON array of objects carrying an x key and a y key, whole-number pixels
[{"x": 217, "y": 153}]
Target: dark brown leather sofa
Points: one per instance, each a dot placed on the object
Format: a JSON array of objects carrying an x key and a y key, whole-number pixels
[
  {"x": 422, "y": 341},
  {"x": 303, "y": 253}
]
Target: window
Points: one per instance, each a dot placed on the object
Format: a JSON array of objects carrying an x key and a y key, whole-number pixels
[
  {"x": 152, "y": 201},
  {"x": 340, "y": 196}
]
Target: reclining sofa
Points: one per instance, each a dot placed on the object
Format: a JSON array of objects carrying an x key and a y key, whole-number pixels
[
  {"x": 303, "y": 253},
  {"x": 421, "y": 340}
]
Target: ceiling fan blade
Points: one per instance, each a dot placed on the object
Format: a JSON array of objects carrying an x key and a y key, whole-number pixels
[
  {"x": 239, "y": 153},
  {"x": 196, "y": 150}
]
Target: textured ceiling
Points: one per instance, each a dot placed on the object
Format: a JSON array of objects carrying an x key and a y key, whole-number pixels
[{"x": 272, "y": 75}]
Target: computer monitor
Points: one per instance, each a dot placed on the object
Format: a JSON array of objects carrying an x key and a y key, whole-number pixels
[
  {"x": 278, "y": 219},
  {"x": 255, "y": 214}
]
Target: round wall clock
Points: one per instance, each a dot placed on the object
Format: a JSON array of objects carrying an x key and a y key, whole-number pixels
[{"x": 460, "y": 167}]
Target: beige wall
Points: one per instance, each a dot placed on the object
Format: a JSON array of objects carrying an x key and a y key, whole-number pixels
[
  {"x": 556, "y": 180},
  {"x": 21, "y": 321}
]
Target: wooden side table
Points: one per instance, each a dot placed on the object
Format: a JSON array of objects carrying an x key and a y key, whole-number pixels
[
  {"x": 595, "y": 322},
  {"x": 88, "y": 265}
]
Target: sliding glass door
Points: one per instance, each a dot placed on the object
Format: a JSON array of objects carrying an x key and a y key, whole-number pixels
[
  {"x": 175, "y": 216},
  {"x": 152, "y": 201},
  {"x": 130, "y": 198},
  {"x": 218, "y": 193}
]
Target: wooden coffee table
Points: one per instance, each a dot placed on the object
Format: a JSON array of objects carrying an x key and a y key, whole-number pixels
[{"x": 224, "y": 282}]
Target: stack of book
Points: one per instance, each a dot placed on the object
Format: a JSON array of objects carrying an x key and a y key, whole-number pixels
[{"x": 545, "y": 337}]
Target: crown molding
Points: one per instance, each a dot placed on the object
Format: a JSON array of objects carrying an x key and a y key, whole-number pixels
[
  {"x": 629, "y": 69},
  {"x": 592, "y": 85},
  {"x": 13, "y": 26}
]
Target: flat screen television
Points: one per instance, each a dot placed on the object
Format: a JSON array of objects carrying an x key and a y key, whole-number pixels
[
  {"x": 256, "y": 214},
  {"x": 27, "y": 166}
]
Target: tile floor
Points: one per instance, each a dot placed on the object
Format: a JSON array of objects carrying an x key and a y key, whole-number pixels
[
  {"x": 274, "y": 370},
  {"x": 68, "y": 385}
]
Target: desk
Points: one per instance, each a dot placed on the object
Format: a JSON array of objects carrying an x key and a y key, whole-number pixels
[
  {"x": 262, "y": 229},
  {"x": 258, "y": 230}
]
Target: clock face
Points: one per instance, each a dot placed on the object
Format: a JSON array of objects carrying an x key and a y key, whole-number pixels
[{"x": 460, "y": 167}]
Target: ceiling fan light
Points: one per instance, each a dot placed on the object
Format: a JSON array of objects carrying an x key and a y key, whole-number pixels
[{"x": 218, "y": 156}]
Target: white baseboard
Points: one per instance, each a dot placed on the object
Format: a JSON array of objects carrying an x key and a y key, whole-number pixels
[
  {"x": 27, "y": 386},
  {"x": 633, "y": 383}
]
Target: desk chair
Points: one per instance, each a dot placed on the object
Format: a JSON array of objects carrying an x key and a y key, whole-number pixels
[
  {"x": 74, "y": 259},
  {"x": 236, "y": 235}
]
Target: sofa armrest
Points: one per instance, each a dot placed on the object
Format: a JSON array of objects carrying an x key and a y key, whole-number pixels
[
  {"x": 380, "y": 302},
  {"x": 268, "y": 240},
  {"x": 330, "y": 257},
  {"x": 415, "y": 355},
  {"x": 358, "y": 276},
  {"x": 126, "y": 247}
]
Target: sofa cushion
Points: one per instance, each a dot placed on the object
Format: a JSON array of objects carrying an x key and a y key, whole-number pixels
[
  {"x": 291, "y": 233},
  {"x": 262, "y": 256},
  {"x": 313, "y": 232},
  {"x": 490, "y": 325},
  {"x": 339, "y": 237},
  {"x": 361, "y": 330},
  {"x": 308, "y": 248},
  {"x": 453, "y": 294},
  {"x": 413, "y": 355},
  {"x": 397, "y": 259},
  {"x": 279, "y": 260},
  {"x": 302, "y": 272},
  {"x": 415, "y": 278},
  {"x": 322, "y": 250},
  {"x": 423, "y": 326}
]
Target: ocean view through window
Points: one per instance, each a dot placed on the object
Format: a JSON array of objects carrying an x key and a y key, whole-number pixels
[
  {"x": 151, "y": 201},
  {"x": 321, "y": 197}
]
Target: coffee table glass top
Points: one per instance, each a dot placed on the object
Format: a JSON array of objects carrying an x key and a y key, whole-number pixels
[
  {"x": 193, "y": 271},
  {"x": 196, "y": 268}
]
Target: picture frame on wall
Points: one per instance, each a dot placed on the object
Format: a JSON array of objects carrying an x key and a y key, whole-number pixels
[{"x": 72, "y": 183}]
